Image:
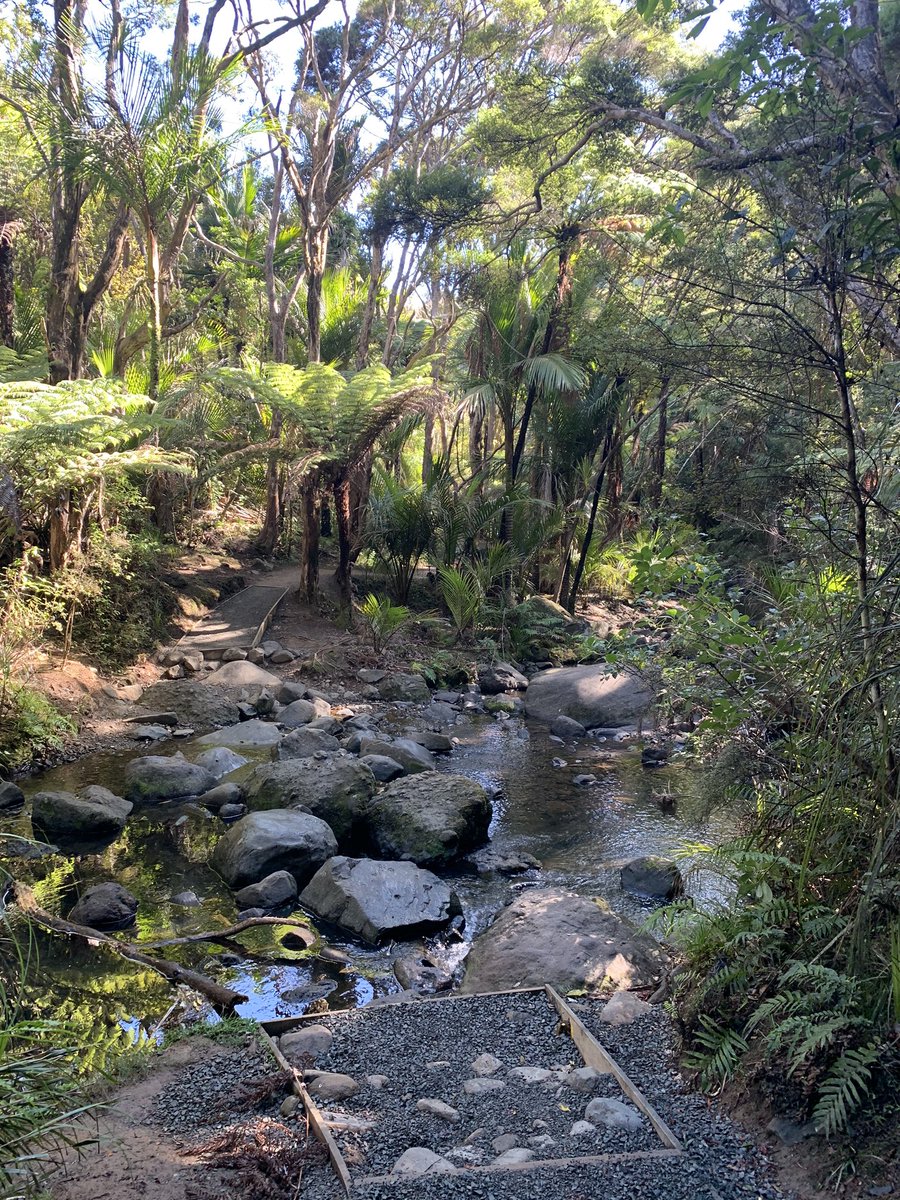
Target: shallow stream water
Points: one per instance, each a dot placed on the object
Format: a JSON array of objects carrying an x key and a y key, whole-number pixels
[{"x": 581, "y": 835}]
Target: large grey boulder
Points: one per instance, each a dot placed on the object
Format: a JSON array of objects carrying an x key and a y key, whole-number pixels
[
  {"x": 105, "y": 906},
  {"x": 95, "y": 814},
  {"x": 196, "y": 704},
  {"x": 429, "y": 819},
  {"x": 399, "y": 686},
  {"x": 374, "y": 900},
  {"x": 494, "y": 678},
  {"x": 591, "y": 695},
  {"x": 337, "y": 790},
  {"x": 558, "y": 937},
  {"x": 409, "y": 754},
  {"x": 382, "y": 767},
  {"x": 658, "y": 878},
  {"x": 11, "y": 797},
  {"x": 278, "y": 840},
  {"x": 249, "y": 735},
  {"x": 297, "y": 713},
  {"x": 242, "y": 674},
  {"x": 154, "y": 778},
  {"x": 303, "y": 743}
]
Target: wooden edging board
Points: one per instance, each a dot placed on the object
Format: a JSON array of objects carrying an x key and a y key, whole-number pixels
[
  {"x": 316, "y": 1121},
  {"x": 586, "y": 1044},
  {"x": 595, "y": 1056}
]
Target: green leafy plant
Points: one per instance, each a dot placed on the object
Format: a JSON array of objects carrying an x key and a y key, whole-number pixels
[
  {"x": 464, "y": 597},
  {"x": 385, "y": 620}
]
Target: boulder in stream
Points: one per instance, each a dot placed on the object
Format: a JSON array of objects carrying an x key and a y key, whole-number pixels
[
  {"x": 11, "y": 797},
  {"x": 105, "y": 906},
  {"x": 277, "y": 840},
  {"x": 220, "y": 761},
  {"x": 156, "y": 777},
  {"x": 374, "y": 900},
  {"x": 303, "y": 743},
  {"x": 241, "y": 674},
  {"x": 591, "y": 695},
  {"x": 400, "y": 686},
  {"x": 194, "y": 703},
  {"x": 658, "y": 878},
  {"x": 93, "y": 815},
  {"x": 430, "y": 818},
  {"x": 249, "y": 735},
  {"x": 272, "y": 892},
  {"x": 558, "y": 937},
  {"x": 494, "y": 678},
  {"x": 335, "y": 789},
  {"x": 409, "y": 754}
]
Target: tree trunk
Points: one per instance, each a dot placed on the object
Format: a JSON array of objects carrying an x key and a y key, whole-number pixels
[
  {"x": 309, "y": 558},
  {"x": 60, "y": 536},
  {"x": 316, "y": 259},
  {"x": 658, "y": 454},
  {"x": 592, "y": 519},
  {"x": 343, "y": 519},
  {"x": 8, "y": 224},
  {"x": 155, "y": 285},
  {"x": 368, "y": 317}
]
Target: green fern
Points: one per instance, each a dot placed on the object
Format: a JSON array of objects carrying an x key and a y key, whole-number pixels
[
  {"x": 720, "y": 1057},
  {"x": 845, "y": 1088},
  {"x": 385, "y": 620}
]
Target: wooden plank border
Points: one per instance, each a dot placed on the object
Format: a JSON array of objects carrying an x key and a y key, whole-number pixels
[
  {"x": 595, "y": 1056},
  {"x": 316, "y": 1120}
]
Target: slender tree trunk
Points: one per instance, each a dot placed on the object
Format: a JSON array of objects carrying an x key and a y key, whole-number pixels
[
  {"x": 342, "y": 510},
  {"x": 309, "y": 559},
  {"x": 658, "y": 454},
  {"x": 60, "y": 529},
  {"x": 8, "y": 223},
  {"x": 368, "y": 317},
  {"x": 155, "y": 284},
  {"x": 592, "y": 520},
  {"x": 316, "y": 260}
]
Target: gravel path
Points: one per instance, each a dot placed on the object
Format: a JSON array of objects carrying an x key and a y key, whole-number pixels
[{"x": 719, "y": 1160}]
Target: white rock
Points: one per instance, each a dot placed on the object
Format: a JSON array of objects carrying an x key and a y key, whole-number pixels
[
  {"x": 419, "y": 1160},
  {"x": 377, "y": 1081},
  {"x": 504, "y": 1142},
  {"x": 613, "y": 1113},
  {"x": 532, "y": 1074},
  {"x": 518, "y": 1154},
  {"x": 486, "y": 1064},
  {"x": 437, "y": 1108},
  {"x": 623, "y": 1007},
  {"x": 582, "y": 1129},
  {"x": 542, "y": 1141}
]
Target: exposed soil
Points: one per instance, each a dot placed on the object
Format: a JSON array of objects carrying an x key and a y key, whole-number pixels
[{"x": 136, "y": 1151}]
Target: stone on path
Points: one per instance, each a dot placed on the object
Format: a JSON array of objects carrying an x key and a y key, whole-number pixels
[
  {"x": 518, "y": 1154},
  {"x": 486, "y": 1065},
  {"x": 554, "y": 936},
  {"x": 531, "y": 1074},
  {"x": 277, "y": 840},
  {"x": 591, "y": 695},
  {"x": 374, "y": 900},
  {"x": 506, "y": 1141},
  {"x": 582, "y": 1129},
  {"x": 309, "y": 1042},
  {"x": 430, "y": 818},
  {"x": 419, "y": 1160},
  {"x": 437, "y": 1108},
  {"x": 331, "y": 1086},
  {"x": 622, "y": 1008},
  {"x": 614, "y": 1114}
]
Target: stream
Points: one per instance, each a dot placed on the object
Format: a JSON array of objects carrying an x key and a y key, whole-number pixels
[{"x": 581, "y": 836}]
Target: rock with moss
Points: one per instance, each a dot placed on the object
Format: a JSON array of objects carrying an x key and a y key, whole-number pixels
[
  {"x": 401, "y": 686},
  {"x": 155, "y": 778},
  {"x": 94, "y": 814},
  {"x": 409, "y": 754},
  {"x": 429, "y": 819},
  {"x": 336, "y": 789}
]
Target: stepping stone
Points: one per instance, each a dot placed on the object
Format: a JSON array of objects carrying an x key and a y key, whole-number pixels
[
  {"x": 437, "y": 1108},
  {"x": 509, "y": 1158},
  {"x": 614, "y": 1114},
  {"x": 482, "y": 1087},
  {"x": 419, "y": 1160}
]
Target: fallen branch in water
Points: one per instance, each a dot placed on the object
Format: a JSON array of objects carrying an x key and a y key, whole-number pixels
[
  {"x": 224, "y": 935},
  {"x": 222, "y": 997}
]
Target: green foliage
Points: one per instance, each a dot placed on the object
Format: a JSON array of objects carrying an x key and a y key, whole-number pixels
[
  {"x": 464, "y": 597},
  {"x": 400, "y": 528},
  {"x": 229, "y": 1031},
  {"x": 384, "y": 620}
]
